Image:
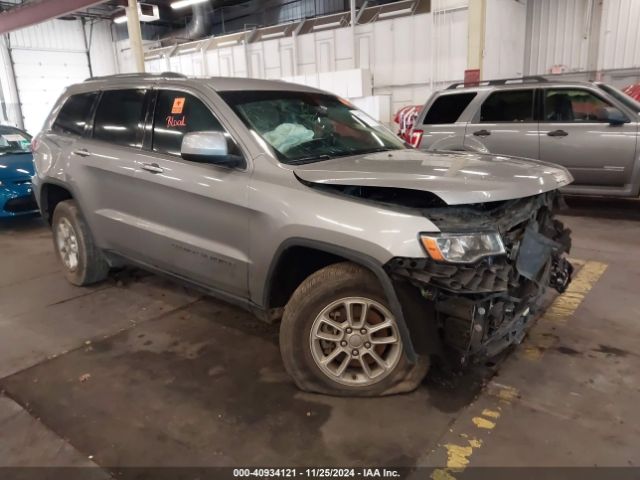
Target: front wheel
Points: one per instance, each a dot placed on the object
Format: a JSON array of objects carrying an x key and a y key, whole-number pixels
[{"x": 339, "y": 337}]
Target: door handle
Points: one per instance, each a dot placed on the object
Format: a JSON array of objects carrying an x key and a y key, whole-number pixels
[
  {"x": 557, "y": 133},
  {"x": 152, "y": 167},
  {"x": 482, "y": 133},
  {"x": 82, "y": 152}
]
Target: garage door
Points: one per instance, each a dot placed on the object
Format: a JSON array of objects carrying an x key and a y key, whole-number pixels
[{"x": 45, "y": 64}]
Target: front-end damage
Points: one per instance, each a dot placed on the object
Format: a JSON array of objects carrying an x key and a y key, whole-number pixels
[{"x": 483, "y": 307}]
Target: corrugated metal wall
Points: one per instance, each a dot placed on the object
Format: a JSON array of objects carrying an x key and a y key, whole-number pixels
[
  {"x": 52, "y": 55},
  {"x": 620, "y": 35},
  {"x": 558, "y": 35}
]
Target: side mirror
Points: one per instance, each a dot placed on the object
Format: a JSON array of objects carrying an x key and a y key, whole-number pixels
[
  {"x": 209, "y": 147},
  {"x": 614, "y": 116}
]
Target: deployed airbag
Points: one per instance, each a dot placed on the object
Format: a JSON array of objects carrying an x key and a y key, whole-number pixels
[{"x": 288, "y": 135}]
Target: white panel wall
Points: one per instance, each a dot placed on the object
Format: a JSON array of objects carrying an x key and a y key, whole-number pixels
[
  {"x": 620, "y": 35},
  {"x": 47, "y": 58},
  {"x": 558, "y": 35},
  {"x": 50, "y": 56},
  {"x": 403, "y": 61},
  {"x": 504, "y": 40}
]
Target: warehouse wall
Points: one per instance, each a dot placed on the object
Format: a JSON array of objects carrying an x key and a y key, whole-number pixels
[
  {"x": 558, "y": 35},
  {"x": 620, "y": 35},
  {"x": 407, "y": 57},
  {"x": 50, "y": 56},
  {"x": 504, "y": 41}
]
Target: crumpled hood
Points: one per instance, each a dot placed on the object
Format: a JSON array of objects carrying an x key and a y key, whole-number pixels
[
  {"x": 16, "y": 166},
  {"x": 456, "y": 177}
]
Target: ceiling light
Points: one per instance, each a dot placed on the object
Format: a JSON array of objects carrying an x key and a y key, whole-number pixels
[
  {"x": 327, "y": 25},
  {"x": 227, "y": 43},
  {"x": 121, "y": 19},
  {"x": 272, "y": 35},
  {"x": 394, "y": 13},
  {"x": 186, "y": 3}
]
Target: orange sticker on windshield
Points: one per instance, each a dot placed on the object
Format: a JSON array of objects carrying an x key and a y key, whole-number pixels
[{"x": 178, "y": 105}]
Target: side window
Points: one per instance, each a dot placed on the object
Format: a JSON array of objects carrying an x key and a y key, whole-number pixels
[
  {"x": 74, "y": 114},
  {"x": 176, "y": 114},
  {"x": 508, "y": 106},
  {"x": 566, "y": 105},
  {"x": 120, "y": 117},
  {"x": 448, "y": 108}
]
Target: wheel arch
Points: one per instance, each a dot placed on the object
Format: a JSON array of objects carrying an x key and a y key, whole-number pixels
[
  {"x": 51, "y": 194},
  {"x": 276, "y": 292}
]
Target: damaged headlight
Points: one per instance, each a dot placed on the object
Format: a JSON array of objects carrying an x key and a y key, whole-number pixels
[{"x": 462, "y": 247}]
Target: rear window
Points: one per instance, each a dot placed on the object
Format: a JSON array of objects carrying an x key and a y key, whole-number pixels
[
  {"x": 448, "y": 108},
  {"x": 74, "y": 114},
  {"x": 120, "y": 117},
  {"x": 508, "y": 106}
]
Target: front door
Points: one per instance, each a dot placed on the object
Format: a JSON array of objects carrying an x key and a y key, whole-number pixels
[
  {"x": 505, "y": 125},
  {"x": 575, "y": 133},
  {"x": 194, "y": 217}
]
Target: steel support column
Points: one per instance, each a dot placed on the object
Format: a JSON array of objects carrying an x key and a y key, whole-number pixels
[
  {"x": 135, "y": 36},
  {"x": 476, "y": 31}
]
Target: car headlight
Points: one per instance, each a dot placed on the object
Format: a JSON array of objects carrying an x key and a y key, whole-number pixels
[{"x": 462, "y": 247}]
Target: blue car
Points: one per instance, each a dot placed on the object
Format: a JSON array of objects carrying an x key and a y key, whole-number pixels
[{"x": 16, "y": 170}]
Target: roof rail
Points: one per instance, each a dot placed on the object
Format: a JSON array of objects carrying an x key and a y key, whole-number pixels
[
  {"x": 501, "y": 81},
  {"x": 138, "y": 75}
]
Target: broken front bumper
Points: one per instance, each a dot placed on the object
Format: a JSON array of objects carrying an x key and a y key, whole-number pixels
[{"x": 482, "y": 308}]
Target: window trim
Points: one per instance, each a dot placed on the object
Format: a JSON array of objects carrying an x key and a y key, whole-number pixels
[
  {"x": 90, "y": 127},
  {"x": 478, "y": 118},
  {"x": 147, "y": 145},
  {"x": 595, "y": 93}
]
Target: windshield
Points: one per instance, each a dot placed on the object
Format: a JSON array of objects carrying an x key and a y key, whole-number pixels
[
  {"x": 14, "y": 141},
  {"x": 306, "y": 127},
  {"x": 621, "y": 96}
]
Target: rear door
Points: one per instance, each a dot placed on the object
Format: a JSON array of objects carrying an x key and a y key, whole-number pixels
[
  {"x": 103, "y": 168},
  {"x": 575, "y": 134},
  {"x": 441, "y": 127},
  {"x": 505, "y": 124},
  {"x": 194, "y": 216}
]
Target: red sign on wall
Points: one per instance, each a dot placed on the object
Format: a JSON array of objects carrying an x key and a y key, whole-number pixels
[{"x": 471, "y": 77}]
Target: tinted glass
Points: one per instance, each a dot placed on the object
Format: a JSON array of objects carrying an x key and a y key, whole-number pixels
[
  {"x": 305, "y": 127},
  {"x": 120, "y": 117},
  {"x": 74, "y": 113},
  {"x": 176, "y": 114},
  {"x": 448, "y": 108},
  {"x": 508, "y": 106},
  {"x": 565, "y": 105}
]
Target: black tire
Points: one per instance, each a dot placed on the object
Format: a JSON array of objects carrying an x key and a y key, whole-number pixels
[
  {"x": 315, "y": 293},
  {"x": 91, "y": 266}
]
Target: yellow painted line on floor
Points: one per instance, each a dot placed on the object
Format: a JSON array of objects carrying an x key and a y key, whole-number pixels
[
  {"x": 459, "y": 453},
  {"x": 564, "y": 306}
]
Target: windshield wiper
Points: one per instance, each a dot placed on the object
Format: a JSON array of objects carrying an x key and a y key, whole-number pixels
[{"x": 309, "y": 159}]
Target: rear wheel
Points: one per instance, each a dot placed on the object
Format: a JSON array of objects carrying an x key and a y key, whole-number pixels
[
  {"x": 82, "y": 261},
  {"x": 338, "y": 336}
]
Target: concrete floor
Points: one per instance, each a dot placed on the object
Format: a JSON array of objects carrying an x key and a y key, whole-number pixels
[{"x": 139, "y": 371}]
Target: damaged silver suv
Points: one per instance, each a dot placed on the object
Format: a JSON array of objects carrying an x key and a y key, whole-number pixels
[{"x": 292, "y": 203}]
